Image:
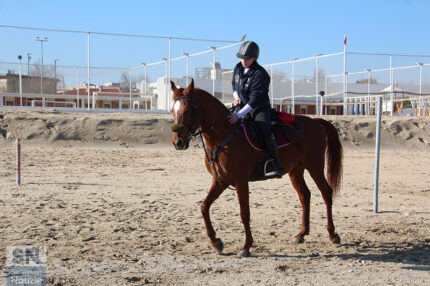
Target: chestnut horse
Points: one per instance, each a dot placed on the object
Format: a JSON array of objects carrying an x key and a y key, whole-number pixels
[{"x": 195, "y": 112}]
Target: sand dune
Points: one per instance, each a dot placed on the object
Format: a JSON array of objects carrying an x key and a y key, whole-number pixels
[{"x": 50, "y": 126}]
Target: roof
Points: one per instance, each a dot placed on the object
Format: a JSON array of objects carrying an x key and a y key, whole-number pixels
[{"x": 395, "y": 89}]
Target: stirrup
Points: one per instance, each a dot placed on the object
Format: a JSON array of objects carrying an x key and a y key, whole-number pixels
[{"x": 271, "y": 173}]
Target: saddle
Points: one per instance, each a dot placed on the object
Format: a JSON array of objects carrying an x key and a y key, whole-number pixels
[{"x": 286, "y": 129}]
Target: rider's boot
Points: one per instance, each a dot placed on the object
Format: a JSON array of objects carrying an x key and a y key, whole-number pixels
[{"x": 272, "y": 149}]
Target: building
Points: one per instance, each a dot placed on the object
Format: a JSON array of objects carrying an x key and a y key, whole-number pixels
[{"x": 9, "y": 84}]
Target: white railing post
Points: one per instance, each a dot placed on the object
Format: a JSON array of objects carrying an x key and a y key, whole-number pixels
[
  {"x": 316, "y": 85},
  {"x": 292, "y": 87},
  {"x": 392, "y": 85},
  {"x": 271, "y": 84},
  {"x": 89, "y": 77},
  {"x": 421, "y": 85}
]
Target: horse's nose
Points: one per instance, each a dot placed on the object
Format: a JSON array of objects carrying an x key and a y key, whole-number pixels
[{"x": 179, "y": 143}]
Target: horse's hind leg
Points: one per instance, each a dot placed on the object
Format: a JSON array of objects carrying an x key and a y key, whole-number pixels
[
  {"x": 214, "y": 192},
  {"x": 296, "y": 177},
  {"x": 327, "y": 194}
]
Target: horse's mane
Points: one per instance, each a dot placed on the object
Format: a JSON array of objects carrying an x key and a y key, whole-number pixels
[
  {"x": 199, "y": 93},
  {"x": 213, "y": 100}
]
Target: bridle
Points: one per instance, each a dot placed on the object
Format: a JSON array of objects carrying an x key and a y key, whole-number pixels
[
  {"x": 194, "y": 131},
  {"x": 194, "y": 112}
]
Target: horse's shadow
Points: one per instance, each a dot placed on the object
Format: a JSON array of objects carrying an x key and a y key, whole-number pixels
[{"x": 413, "y": 256}]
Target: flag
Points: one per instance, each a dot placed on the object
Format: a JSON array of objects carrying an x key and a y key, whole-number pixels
[{"x": 344, "y": 41}]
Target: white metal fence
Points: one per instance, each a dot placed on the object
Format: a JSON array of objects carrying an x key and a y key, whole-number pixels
[
  {"x": 300, "y": 81},
  {"x": 348, "y": 79},
  {"x": 127, "y": 70}
]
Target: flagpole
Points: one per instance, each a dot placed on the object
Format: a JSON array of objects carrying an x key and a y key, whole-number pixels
[{"x": 345, "y": 111}]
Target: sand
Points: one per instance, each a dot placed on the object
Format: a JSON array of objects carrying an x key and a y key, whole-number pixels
[{"x": 115, "y": 204}]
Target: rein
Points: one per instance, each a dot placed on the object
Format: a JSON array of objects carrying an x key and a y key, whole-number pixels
[{"x": 194, "y": 131}]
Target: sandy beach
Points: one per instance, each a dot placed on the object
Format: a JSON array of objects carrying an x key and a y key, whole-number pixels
[{"x": 115, "y": 204}]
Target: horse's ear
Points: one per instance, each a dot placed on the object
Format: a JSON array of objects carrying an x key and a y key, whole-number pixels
[
  {"x": 190, "y": 87},
  {"x": 172, "y": 84}
]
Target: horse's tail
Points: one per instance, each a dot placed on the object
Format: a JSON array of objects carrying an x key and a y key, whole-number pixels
[{"x": 334, "y": 155}]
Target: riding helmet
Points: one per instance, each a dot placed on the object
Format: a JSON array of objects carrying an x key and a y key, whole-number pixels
[{"x": 248, "y": 50}]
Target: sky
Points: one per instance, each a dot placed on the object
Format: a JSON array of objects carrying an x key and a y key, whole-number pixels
[{"x": 284, "y": 29}]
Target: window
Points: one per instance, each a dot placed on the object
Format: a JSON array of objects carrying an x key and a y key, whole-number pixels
[{"x": 302, "y": 110}]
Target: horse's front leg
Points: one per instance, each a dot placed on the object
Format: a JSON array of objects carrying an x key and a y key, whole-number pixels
[
  {"x": 243, "y": 196},
  {"x": 214, "y": 192}
]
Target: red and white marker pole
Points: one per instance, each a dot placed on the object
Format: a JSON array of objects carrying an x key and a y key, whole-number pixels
[{"x": 18, "y": 162}]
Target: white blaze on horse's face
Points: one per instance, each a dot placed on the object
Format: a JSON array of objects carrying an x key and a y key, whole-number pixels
[{"x": 176, "y": 108}]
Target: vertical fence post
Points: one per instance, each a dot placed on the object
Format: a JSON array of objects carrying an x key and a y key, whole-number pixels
[
  {"x": 421, "y": 84},
  {"x": 77, "y": 87},
  {"x": 170, "y": 75},
  {"x": 271, "y": 84},
  {"x": 292, "y": 86},
  {"x": 345, "y": 110},
  {"x": 391, "y": 85},
  {"x": 89, "y": 86},
  {"x": 316, "y": 85},
  {"x": 130, "y": 89},
  {"x": 377, "y": 148},
  {"x": 20, "y": 80},
  {"x": 326, "y": 92},
  {"x": 18, "y": 162}
]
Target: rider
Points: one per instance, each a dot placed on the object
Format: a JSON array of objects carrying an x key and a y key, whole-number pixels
[{"x": 251, "y": 92}]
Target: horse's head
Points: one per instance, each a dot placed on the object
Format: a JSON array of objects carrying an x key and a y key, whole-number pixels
[{"x": 184, "y": 113}]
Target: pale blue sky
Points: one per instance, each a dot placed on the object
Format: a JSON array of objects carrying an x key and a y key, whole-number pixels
[{"x": 283, "y": 29}]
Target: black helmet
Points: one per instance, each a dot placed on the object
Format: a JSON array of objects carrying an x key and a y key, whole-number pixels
[{"x": 248, "y": 50}]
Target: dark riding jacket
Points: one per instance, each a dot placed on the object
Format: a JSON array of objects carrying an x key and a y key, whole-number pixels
[{"x": 252, "y": 87}]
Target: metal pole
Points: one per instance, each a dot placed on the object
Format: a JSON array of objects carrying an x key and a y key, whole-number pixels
[
  {"x": 89, "y": 78},
  {"x": 41, "y": 40},
  {"x": 165, "y": 84},
  {"x": 326, "y": 92},
  {"x": 368, "y": 91},
  {"x": 377, "y": 148},
  {"x": 213, "y": 70},
  {"x": 170, "y": 74},
  {"x": 345, "y": 111},
  {"x": 55, "y": 74},
  {"x": 292, "y": 86},
  {"x": 316, "y": 85},
  {"x": 187, "y": 67},
  {"x": 421, "y": 81},
  {"x": 41, "y": 77},
  {"x": 20, "y": 79},
  {"x": 144, "y": 69},
  {"x": 214, "y": 77},
  {"x": 271, "y": 84},
  {"x": 130, "y": 89},
  {"x": 77, "y": 87},
  {"x": 18, "y": 162},
  {"x": 28, "y": 63},
  {"x": 392, "y": 85}
]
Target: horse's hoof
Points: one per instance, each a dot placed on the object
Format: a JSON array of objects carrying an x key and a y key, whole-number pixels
[
  {"x": 219, "y": 246},
  {"x": 243, "y": 253},
  {"x": 299, "y": 240},
  {"x": 336, "y": 239}
]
